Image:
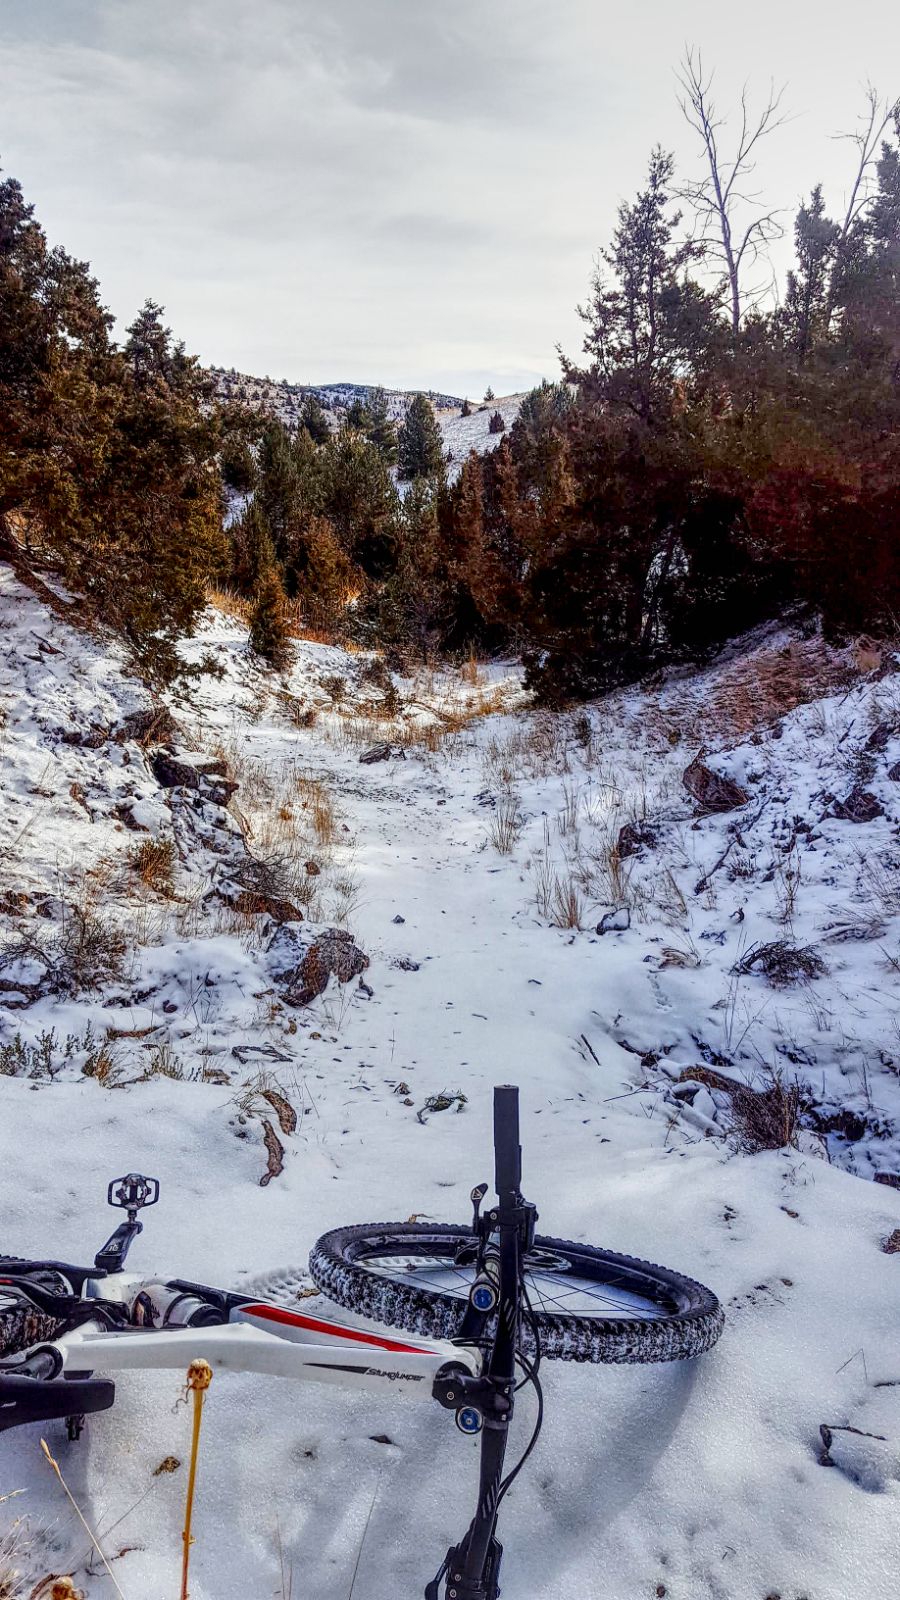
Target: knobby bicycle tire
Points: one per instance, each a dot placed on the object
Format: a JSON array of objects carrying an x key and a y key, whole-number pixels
[{"x": 683, "y": 1319}]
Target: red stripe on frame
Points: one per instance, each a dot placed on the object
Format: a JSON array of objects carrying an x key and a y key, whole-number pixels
[{"x": 335, "y": 1330}]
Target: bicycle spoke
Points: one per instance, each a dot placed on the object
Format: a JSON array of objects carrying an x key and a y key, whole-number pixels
[{"x": 554, "y": 1281}]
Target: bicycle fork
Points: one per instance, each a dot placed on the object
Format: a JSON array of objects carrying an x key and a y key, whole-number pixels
[{"x": 472, "y": 1568}]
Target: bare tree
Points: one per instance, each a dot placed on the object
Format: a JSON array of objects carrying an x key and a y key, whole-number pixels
[{"x": 733, "y": 226}]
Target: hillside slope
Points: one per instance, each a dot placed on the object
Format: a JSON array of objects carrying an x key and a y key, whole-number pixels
[{"x": 474, "y": 867}]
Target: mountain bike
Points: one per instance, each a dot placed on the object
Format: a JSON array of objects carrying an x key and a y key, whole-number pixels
[{"x": 482, "y": 1306}]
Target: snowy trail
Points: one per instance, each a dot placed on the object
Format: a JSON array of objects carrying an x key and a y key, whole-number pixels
[{"x": 698, "y": 1482}]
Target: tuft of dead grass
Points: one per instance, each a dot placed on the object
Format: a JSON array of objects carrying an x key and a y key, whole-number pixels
[
  {"x": 154, "y": 862},
  {"x": 765, "y": 1119}
]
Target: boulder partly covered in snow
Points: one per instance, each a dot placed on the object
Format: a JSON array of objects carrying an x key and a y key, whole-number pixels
[
  {"x": 712, "y": 791},
  {"x": 302, "y": 959}
]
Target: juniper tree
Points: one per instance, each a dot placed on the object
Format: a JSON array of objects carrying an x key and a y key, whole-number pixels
[
  {"x": 380, "y": 428},
  {"x": 314, "y": 420},
  {"x": 269, "y": 636},
  {"x": 420, "y": 445}
]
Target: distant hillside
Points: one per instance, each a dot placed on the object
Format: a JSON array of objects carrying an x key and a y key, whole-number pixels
[
  {"x": 461, "y": 434},
  {"x": 283, "y": 399}
]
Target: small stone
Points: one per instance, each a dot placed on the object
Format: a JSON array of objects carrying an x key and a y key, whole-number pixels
[
  {"x": 376, "y": 752},
  {"x": 634, "y": 838},
  {"x": 891, "y": 1246},
  {"x": 615, "y": 921},
  {"x": 860, "y": 806},
  {"x": 398, "y": 918},
  {"x": 312, "y": 869}
]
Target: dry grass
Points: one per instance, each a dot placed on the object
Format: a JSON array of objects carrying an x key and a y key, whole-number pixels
[
  {"x": 154, "y": 862},
  {"x": 765, "y": 1119},
  {"x": 229, "y": 603},
  {"x": 567, "y": 908},
  {"x": 506, "y": 823},
  {"x": 319, "y": 805},
  {"x": 757, "y": 690}
]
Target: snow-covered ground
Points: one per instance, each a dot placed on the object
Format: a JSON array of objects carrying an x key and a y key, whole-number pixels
[
  {"x": 465, "y": 434},
  {"x": 457, "y": 864}
]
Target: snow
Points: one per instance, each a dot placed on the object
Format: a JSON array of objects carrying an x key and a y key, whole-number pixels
[
  {"x": 701, "y": 1481},
  {"x": 462, "y": 435}
]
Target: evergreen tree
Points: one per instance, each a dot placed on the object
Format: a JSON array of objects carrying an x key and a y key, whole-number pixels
[
  {"x": 314, "y": 420},
  {"x": 107, "y": 456},
  {"x": 420, "y": 446},
  {"x": 496, "y": 423},
  {"x": 465, "y": 409},
  {"x": 488, "y": 395},
  {"x": 360, "y": 500},
  {"x": 269, "y": 636},
  {"x": 807, "y": 300},
  {"x": 648, "y": 325},
  {"x": 380, "y": 429}
]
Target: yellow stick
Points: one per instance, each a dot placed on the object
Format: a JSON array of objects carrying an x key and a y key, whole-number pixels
[{"x": 199, "y": 1378}]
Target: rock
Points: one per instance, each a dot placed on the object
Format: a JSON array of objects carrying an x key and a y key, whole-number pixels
[
  {"x": 894, "y": 772},
  {"x": 125, "y": 814},
  {"x": 184, "y": 769},
  {"x": 615, "y": 921},
  {"x": 890, "y": 1179},
  {"x": 256, "y": 889},
  {"x": 711, "y": 790},
  {"x": 255, "y": 904},
  {"x": 398, "y": 919},
  {"x": 860, "y": 806},
  {"x": 881, "y": 735},
  {"x": 302, "y": 960},
  {"x": 24, "y": 978},
  {"x": 634, "y": 838},
  {"x": 312, "y": 869},
  {"x": 376, "y": 752},
  {"x": 891, "y": 1245}
]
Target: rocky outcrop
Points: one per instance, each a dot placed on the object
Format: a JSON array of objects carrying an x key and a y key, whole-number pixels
[{"x": 301, "y": 960}]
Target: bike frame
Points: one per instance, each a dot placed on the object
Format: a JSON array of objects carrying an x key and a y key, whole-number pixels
[{"x": 264, "y": 1338}]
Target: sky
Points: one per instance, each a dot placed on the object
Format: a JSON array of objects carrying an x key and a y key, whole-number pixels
[{"x": 393, "y": 191}]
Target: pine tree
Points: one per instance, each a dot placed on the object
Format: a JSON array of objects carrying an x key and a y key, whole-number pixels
[
  {"x": 380, "y": 429},
  {"x": 648, "y": 324},
  {"x": 496, "y": 423},
  {"x": 314, "y": 420},
  {"x": 465, "y": 409},
  {"x": 806, "y": 304},
  {"x": 269, "y": 636},
  {"x": 488, "y": 395},
  {"x": 420, "y": 445}
]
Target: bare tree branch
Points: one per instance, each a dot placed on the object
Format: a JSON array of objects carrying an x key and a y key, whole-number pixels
[{"x": 717, "y": 196}]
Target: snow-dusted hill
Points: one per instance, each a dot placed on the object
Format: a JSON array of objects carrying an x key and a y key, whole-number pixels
[
  {"x": 284, "y": 400},
  {"x": 474, "y": 867},
  {"x": 280, "y": 398}
]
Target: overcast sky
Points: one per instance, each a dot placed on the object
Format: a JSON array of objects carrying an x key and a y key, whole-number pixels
[{"x": 393, "y": 191}]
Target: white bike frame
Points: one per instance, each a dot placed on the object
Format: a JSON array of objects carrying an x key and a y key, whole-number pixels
[{"x": 262, "y": 1337}]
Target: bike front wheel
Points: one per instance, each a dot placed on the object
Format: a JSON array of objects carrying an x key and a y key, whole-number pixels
[{"x": 587, "y": 1304}]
